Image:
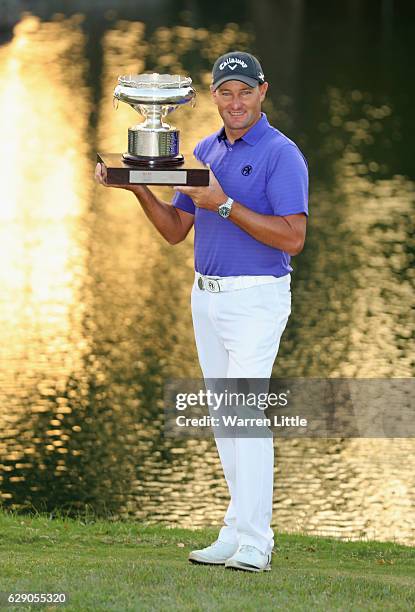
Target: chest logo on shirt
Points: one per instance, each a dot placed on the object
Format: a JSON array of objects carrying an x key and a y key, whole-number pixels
[{"x": 246, "y": 170}]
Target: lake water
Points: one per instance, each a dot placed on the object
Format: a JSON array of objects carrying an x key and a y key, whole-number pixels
[{"x": 94, "y": 306}]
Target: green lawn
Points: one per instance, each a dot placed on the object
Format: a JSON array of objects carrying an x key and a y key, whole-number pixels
[{"x": 126, "y": 565}]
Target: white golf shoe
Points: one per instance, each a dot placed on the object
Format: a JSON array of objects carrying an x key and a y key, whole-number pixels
[
  {"x": 250, "y": 559},
  {"x": 215, "y": 554}
]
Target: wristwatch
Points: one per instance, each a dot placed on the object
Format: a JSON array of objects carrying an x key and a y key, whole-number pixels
[{"x": 225, "y": 209}]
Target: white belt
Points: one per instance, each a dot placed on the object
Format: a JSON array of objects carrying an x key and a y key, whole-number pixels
[{"x": 215, "y": 284}]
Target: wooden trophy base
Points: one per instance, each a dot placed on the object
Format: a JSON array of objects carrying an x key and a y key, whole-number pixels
[{"x": 152, "y": 172}]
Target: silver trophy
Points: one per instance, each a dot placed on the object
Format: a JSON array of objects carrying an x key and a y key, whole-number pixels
[
  {"x": 154, "y": 96},
  {"x": 153, "y": 145}
]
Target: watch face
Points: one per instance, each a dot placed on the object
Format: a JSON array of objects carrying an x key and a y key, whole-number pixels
[{"x": 224, "y": 211}]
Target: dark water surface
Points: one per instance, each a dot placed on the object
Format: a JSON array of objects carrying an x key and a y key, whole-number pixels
[{"x": 94, "y": 306}]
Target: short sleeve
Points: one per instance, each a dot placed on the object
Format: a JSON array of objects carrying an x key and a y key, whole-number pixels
[
  {"x": 287, "y": 184},
  {"x": 182, "y": 201}
]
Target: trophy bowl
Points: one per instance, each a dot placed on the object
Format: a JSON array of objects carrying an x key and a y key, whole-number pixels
[
  {"x": 154, "y": 142},
  {"x": 153, "y": 156}
]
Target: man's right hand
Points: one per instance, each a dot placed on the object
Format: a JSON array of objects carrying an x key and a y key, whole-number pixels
[
  {"x": 101, "y": 174},
  {"x": 101, "y": 178}
]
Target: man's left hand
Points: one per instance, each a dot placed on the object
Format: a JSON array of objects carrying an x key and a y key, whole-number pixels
[{"x": 209, "y": 197}]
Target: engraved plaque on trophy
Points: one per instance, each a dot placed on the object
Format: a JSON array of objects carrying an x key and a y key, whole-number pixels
[{"x": 153, "y": 156}]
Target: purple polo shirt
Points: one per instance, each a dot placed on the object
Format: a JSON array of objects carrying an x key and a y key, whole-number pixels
[{"x": 266, "y": 172}]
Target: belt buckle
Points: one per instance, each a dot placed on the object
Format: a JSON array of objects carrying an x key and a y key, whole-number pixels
[{"x": 212, "y": 285}]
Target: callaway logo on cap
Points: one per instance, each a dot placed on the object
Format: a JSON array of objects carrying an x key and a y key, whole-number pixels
[{"x": 237, "y": 66}]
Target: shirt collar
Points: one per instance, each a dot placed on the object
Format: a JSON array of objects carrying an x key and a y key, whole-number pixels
[
  {"x": 253, "y": 135},
  {"x": 222, "y": 134}
]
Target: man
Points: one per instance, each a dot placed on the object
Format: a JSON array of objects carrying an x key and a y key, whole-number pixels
[{"x": 248, "y": 222}]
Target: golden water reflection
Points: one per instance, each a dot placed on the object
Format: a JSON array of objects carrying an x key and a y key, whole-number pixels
[
  {"x": 44, "y": 197},
  {"x": 94, "y": 310}
]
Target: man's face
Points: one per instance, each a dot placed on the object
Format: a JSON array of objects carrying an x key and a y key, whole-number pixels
[{"x": 238, "y": 104}]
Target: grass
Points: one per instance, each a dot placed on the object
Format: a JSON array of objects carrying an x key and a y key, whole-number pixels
[{"x": 126, "y": 565}]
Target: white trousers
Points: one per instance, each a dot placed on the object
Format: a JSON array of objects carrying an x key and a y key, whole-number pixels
[{"x": 237, "y": 336}]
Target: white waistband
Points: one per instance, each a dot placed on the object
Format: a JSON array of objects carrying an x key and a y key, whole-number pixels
[{"x": 214, "y": 284}]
